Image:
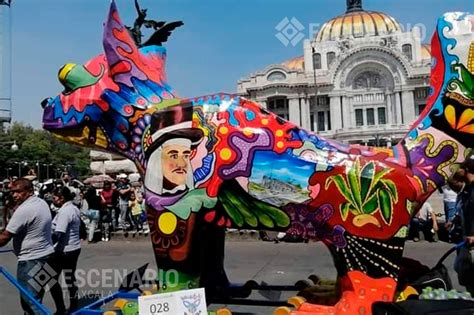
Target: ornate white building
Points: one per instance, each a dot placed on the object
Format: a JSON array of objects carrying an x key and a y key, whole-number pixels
[{"x": 370, "y": 77}]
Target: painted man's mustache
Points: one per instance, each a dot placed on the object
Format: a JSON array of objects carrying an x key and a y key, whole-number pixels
[{"x": 179, "y": 170}]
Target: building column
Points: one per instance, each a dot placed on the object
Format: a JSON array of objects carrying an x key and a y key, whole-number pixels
[
  {"x": 294, "y": 110},
  {"x": 398, "y": 109},
  {"x": 408, "y": 102},
  {"x": 305, "y": 114},
  {"x": 335, "y": 113},
  {"x": 346, "y": 115},
  {"x": 388, "y": 115}
]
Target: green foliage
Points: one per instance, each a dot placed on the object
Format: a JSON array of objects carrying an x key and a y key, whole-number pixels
[
  {"x": 246, "y": 211},
  {"x": 366, "y": 191},
  {"x": 40, "y": 147}
]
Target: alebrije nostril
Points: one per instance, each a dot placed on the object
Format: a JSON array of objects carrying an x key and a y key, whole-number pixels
[{"x": 45, "y": 102}]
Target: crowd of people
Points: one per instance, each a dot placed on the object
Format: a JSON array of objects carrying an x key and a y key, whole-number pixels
[
  {"x": 447, "y": 226},
  {"x": 47, "y": 222},
  {"x": 458, "y": 199},
  {"x": 116, "y": 206}
]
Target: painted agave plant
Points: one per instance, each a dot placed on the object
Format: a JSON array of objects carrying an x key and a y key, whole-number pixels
[
  {"x": 366, "y": 192},
  {"x": 464, "y": 85}
]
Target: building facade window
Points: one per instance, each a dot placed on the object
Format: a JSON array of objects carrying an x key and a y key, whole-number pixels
[
  {"x": 421, "y": 95},
  {"x": 368, "y": 80},
  {"x": 328, "y": 113},
  {"x": 370, "y": 117},
  {"x": 316, "y": 61},
  {"x": 276, "y": 76},
  {"x": 419, "y": 108},
  {"x": 330, "y": 56},
  {"x": 406, "y": 49},
  {"x": 322, "y": 100},
  {"x": 321, "y": 121},
  {"x": 381, "y": 115},
  {"x": 279, "y": 106},
  {"x": 359, "y": 117}
]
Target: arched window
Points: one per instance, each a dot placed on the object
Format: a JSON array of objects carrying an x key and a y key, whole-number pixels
[
  {"x": 330, "y": 56},
  {"x": 316, "y": 61},
  {"x": 276, "y": 76},
  {"x": 406, "y": 49},
  {"x": 367, "y": 80}
]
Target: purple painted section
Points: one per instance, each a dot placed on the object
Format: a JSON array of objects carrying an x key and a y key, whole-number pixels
[
  {"x": 112, "y": 44},
  {"x": 160, "y": 202},
  {"x": 245, "y": 149}
]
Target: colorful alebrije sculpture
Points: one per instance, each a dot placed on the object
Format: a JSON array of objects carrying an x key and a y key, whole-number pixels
[{"x": 222, "y": 161}]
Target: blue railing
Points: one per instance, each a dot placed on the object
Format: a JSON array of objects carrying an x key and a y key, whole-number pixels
[{"x": 24, "y": 292}]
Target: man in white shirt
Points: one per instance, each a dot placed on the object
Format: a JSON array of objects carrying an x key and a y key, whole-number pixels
[{"x": 30, "y": 229}]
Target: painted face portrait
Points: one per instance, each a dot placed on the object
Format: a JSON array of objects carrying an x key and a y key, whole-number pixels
[
  {"x": 169, "y": 169},
  {"x": 175, "y": 163}
]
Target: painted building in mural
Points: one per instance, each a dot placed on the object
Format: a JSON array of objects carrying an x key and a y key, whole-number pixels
[{"x": 370, "y": 76}]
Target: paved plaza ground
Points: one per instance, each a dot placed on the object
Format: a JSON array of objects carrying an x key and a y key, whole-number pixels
[{"x": 281, "y": 263}]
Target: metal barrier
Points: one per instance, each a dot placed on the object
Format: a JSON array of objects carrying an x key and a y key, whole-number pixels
[{"x": 23, "y": 291}]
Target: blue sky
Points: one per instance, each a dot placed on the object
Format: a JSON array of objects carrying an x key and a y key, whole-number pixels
[{"x": 221, "y": 41}]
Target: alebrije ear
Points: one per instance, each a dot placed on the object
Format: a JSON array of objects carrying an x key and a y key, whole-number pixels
[{"x": 120, "y": 49}]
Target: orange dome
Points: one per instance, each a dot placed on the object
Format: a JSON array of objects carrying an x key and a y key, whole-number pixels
[
  {"x": 296, "y": 63},
  {"x": 358, "y": 23}
]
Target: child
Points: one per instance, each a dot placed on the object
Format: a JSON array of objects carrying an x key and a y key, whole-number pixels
[{"x": 136, "y": 208}]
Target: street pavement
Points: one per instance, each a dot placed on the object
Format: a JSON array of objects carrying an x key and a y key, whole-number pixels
[{"x": 246, "y": 259}]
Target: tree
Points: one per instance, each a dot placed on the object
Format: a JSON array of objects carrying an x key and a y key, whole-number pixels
[{"x": 40, "y": 150}]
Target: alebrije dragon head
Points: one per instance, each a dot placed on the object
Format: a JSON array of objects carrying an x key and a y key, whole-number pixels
[{"x": 108, "y": 102}]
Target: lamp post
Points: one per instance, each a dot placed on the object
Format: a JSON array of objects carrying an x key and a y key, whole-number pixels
[
  {"x": 20, "y": 164},
  {"x": 47, "y": 170},
  {"x": 13, "y": 145},
  {"x": 39, "y": 170}
]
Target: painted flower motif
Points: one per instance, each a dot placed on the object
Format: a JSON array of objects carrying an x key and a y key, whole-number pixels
[
  {"x": 465, "y": 122},
  {"x": 423, "y": 163},
  {"x": 313, "y": 224},
  {"x": 167, "y": 231}
]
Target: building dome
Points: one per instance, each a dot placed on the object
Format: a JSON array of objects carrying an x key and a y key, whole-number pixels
[
  {"x": 357, "y": 22},
  {"x": 296, "y": 63}
]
